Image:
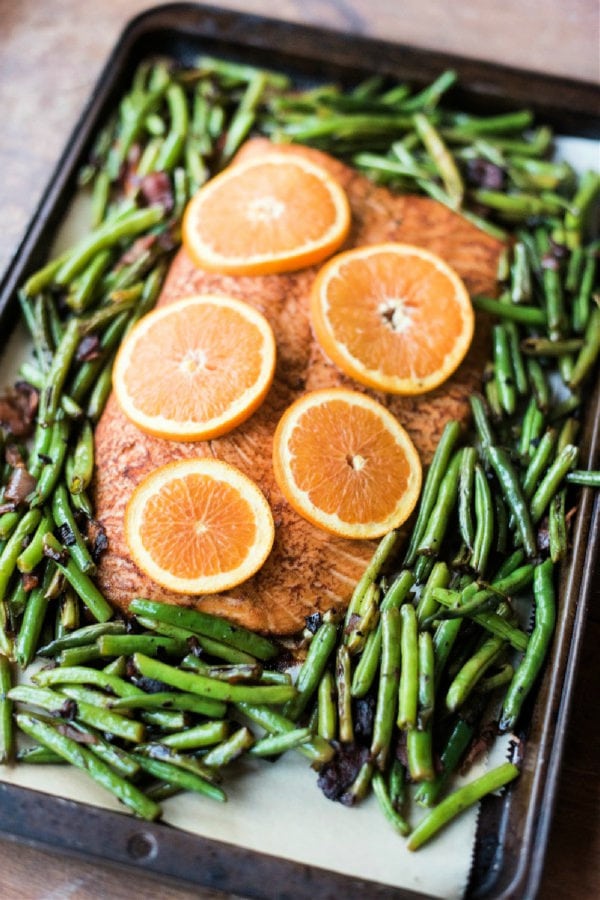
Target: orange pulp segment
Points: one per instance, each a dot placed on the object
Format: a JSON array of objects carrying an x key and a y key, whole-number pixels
[
  {"x": 195, "y": 369},
  {"x": 394, "y": 317},
  {"x": 274, "y": 214},
  {"x": 198, "y": 526},
  {"x": 345, "y": 463}
]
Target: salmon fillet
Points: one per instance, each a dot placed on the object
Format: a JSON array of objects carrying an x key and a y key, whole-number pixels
[{"x": 308, "y": 570}]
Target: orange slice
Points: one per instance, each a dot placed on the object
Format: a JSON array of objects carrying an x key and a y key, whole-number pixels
[
  {"x": 198, "y": 526},
  {"x": 394, "y": 317},
  {"x": 195, "y": 369},
  {"x": 345, "y": 463},
  {"x": 274, "y": 214}
]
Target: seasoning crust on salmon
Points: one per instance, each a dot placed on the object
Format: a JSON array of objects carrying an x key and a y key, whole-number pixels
[{"x": 308, "y": 570}]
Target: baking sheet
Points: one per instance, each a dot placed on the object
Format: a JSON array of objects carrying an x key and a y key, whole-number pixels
[{"x": 326, "y": 847}]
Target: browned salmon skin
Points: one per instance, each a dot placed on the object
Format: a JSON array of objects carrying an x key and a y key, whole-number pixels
[{"x": 308, "y": 570}]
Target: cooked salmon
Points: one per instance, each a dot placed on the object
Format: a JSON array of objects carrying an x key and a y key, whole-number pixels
[{"x": 308, "y": 570}]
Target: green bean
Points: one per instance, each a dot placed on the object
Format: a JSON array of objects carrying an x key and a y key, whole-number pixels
[
  {"x": 484, "y": 429},
  {"x": 102, "y": 719},
  {"x": 86, "y": 635},
  {"x": 484, "y": 518},
  {"x": 539, "y": 461},
  {"x": 107, "y": 235},
  {"x": 520, "y": 274},
  {"x": 429, "y": 97},
  {"x": 514, "y": 581},
  {"x": 513, "y": 494},
  {"x": 33, "y": 619},
  {"x": 408, "y": 684},
  {"x": 366, "y": 668},
  {"x": 467, "y": 604},
  {"x": 211, "y": 687},
  {"x": 213, "y": 648},
  {"x": 552, "y": 479},
  {"x": 319, "y": 652},
  {"x": 540, "y": 346},
  {"x": 518, "y": 363},
  {"x": 172, "y": 147},
  {"x": 538, "y": 383},
  {"x": 518, "y": 206},
  {"x": 204, "y": 624},
  {"x": 43, "y": 277},
  {"x": 431, "y": 487},
  {"x": 344, "y": 696},
  {"x": 65, "y": 521},
  {"x": 229, "y": 750},
  {"x": 385, "y": 549},
  {"x": 557, "y": 527},
  {"x": 537, "y": 648},
  {"x": 492, "y": 622},
  {"x": 437, "y": 193},
  {"x": 120, "y": 760},
  {"x": 419, "y": 753},
  {"x": 82, "y": 467},
  {"x": 589, "y": 352},
  {"x": 587, "y": 192},
  {"x": 363, "y": 622},
  {"x": 244, "y": 116},
  {"x": 233, "y": 674},
  {"x": 171, "y": 773},
  {"x": 127, "y": 644},
  {"x": 38, "y": 755},
  {"x": 426, "y": 693},
  {"x": 444, "y": 638},
  {"x": 83, "y": 291},
  {"x": 568, "y": 433},
  {"x": 169, "y": 700},
  {"x": 524, "y": 315},
  {"x": 531, "y": 429},
  {"x": 587, "y": 478},
  {"x": 78, "y": 656},
  {"x": 436, "y": 527},
  {"x": 472, "y": 671},
  {"x": 499, "y": 679},
  {"x": 51, "y": 470},
  {"x": 509, "y": 565},
  {"x": 387, "y": 807},
  {"x": 84, "y": 759},
  {"x": 492, "y": 392},
  {"x": 203, "y": 735},
  {"x": 460, "y": 800},
  {"x": 57, "y": 373},
  {"x": 275, "y": 744},
  {"x": 163, "y": 718},
  {"x": 317, "y": 749},
  {"x": 32, "y": 555},
  {"x": 465, "y": 495},
  {"x": 582, "y": 300},
  {"x": 161, "y": 752},
  {"x": 442, "y": 158},
  {"x": 326, "y": 700},
  {"x": 14, "y": 547},
  {"x": 456, "y": 745},
  {"x": 503, "y": 369},
  {"x": 7, "y": 738},
  {"x": 86, "y": 675},
  {"x": 439, "y": 577},
  {"x": 387, "y": 693},
  {"x": 81, "y": 583}
]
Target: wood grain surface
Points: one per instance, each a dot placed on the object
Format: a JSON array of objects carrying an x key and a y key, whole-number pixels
[{"x": 51, "y": 52}]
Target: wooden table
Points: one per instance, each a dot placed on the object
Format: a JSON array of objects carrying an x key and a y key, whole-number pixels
[{"x": 50, "y": 55}]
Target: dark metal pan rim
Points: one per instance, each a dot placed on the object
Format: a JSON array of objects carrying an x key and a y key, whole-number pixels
[{"x": 513, "y": 831}]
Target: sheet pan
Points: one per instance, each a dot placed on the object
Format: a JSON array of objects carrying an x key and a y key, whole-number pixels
[{"x": 512, "y": 830}]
